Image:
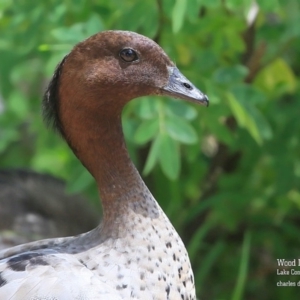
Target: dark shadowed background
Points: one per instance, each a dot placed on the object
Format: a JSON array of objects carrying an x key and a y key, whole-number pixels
[{"x": 228, "y": 176}]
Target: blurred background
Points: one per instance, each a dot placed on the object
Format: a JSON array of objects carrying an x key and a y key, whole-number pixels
[{"x": 228, "y": 176}]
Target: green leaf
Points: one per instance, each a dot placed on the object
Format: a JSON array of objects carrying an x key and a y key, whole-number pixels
[
  {"x": 220, "y": 131},
  {"x": 73, "y": 34},
  {"x": 209, "y": 3},
  {"x": 243, "y": 118},
  {"x": 144, "y": 14},
  {"x": 248, "y": 93},
  {"x": 78, "y": 31},
  {"x": 153, "y": 155},
  {"x": 196, "y": 243},
  {"x": 234, "y": 4},
  {"x": 146, "y": 108},
  {"x": 129, "y": 128},
  {"x": 269, "y": 6},
  {"x": 178, "y": 14},
  {"x": 275, "y": 74},
  {"x": 259, "y": 119},
  {"x": 192, "y": 10},
  {"x": 181, "y": 109},
  {"x": 208, "y": 261},
  {"x": 228, "y": 75},
  {"x": 169, "y": 157},
  {"x": 93, "y": 25},
  {"x": 241, "y": 280},
  {"x": 146, "y": 131},
  {"x": 18, "y": 104},
  {"x": 180, "y": 130},
  {"x": 248, "y": 96},
  {"x": 53, "y": 61}
]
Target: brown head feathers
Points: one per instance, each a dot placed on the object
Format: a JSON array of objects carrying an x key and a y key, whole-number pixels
[{"x": 102, "y": 64}]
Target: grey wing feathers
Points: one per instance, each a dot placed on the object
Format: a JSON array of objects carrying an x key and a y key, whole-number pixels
[{"x": 34, "y": 276}]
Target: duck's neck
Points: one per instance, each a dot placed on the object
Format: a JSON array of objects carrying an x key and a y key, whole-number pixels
[{"x": 97, "y": 140}]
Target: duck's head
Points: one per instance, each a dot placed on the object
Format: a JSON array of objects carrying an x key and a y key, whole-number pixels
[{"x": 107, "y": 70}]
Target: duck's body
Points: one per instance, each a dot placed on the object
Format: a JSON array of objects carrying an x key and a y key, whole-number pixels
[
  {"x": 135, "y": 253},
  {"x": 146, "y": 259}
]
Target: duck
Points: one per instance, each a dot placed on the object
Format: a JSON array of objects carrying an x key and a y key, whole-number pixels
[{"x": 135, "y": 252}]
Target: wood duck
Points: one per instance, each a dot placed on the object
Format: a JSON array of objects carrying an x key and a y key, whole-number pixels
[{"x": 135, "y": 252}]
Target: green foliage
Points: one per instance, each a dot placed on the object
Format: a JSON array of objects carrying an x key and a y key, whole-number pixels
[
  {"x": 242, "y": 277},
  {"x": 219, "y": 173}
]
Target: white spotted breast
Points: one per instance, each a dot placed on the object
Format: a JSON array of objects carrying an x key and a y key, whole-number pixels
[{"x": 147, "y": 261}]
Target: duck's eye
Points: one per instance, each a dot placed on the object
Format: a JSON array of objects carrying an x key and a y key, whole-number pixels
[{"x": 128, "y": 55}]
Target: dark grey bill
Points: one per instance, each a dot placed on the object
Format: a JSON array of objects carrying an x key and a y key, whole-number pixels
[{"x": 179, "y": 87}]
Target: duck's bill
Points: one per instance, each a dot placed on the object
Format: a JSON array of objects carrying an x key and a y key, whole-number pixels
[{"x": 180, "y": 87}]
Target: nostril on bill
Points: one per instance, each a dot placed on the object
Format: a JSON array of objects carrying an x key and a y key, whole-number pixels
[{"x": 186, "y": 85}]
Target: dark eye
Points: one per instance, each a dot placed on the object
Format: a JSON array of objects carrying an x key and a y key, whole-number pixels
[{"x": 128, "y": 55}]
